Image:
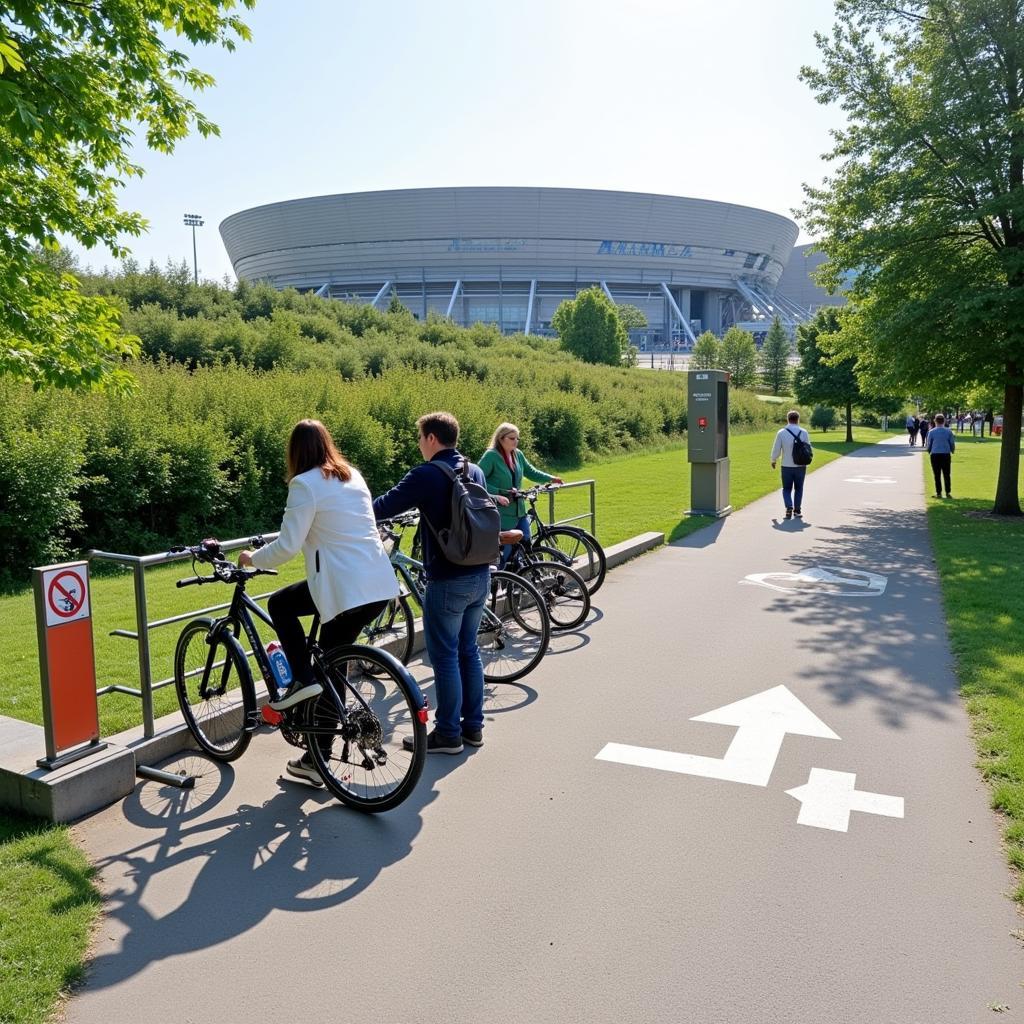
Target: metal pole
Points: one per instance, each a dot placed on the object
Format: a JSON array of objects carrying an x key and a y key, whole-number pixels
[
  {"x": 145, "y": 669},
  {"x": 593, "y": 508},
  {"x": 195, "y": 261}
]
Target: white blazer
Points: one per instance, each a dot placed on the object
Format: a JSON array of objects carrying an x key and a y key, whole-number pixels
[{"x": 332, "y": 523}]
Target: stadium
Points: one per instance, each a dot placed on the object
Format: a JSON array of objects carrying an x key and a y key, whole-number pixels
[{"x": 509, "y": 256}]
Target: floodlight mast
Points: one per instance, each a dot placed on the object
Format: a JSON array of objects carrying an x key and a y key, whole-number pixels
[{"x": 193, "y": 221}]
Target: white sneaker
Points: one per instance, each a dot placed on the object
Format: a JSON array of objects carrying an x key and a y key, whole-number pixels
[
  {"x": 302, "y": 768},
  {"x": 296, "y": 694}
]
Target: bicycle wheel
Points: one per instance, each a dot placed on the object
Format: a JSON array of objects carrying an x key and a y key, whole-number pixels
[
  {"x": 564, "y": 592},
  {"x": 214, "y": 687},
  {"x": 515, "y": 629},
  {"x": 584, "y": 551},
  {"x": 355, "y": 729},
  {"x": 392, "y": 631}
]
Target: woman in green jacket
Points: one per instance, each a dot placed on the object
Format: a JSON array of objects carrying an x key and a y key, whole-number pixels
[{"x": 504, "y": 467}]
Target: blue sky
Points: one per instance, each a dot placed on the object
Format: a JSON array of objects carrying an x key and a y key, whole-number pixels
[{"x": 692, "y": 98}]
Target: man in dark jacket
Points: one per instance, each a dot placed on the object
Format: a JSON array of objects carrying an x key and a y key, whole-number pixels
[{"x": 455, "y": 594}]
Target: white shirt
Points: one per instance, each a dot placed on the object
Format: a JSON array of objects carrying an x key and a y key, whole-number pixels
[
  {"x": 784, "y": 443},
  {"x": 332, "y": 523}
]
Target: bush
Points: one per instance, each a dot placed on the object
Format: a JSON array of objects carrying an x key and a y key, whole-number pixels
[{"x": 823, "y": 417}]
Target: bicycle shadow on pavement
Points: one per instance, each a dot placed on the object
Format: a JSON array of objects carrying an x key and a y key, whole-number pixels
[
  {"x": 299, "y": 851},
  {"x": 901, "y": 631}
]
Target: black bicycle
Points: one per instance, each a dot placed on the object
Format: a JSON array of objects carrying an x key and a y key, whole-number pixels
[
  {"x": 353, "y": 731},
  {"x": 564, "y": 590},
  {"x": 575, "y": 547},
  {"x": 514, "y": 629}
]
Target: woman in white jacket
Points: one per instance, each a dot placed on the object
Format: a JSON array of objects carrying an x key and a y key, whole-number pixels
[{"x": 349, "y": 579}]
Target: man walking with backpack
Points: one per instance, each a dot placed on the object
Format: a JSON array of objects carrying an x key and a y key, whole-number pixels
[
  {"x": 793, "y": 443},
  {"x": 459, "y": 545}
]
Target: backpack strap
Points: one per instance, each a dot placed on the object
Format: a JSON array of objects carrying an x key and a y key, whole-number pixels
[{"x": 791, "y": 434}]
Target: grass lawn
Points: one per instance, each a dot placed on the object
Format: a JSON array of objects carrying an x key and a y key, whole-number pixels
[
  {"x": 47, "y": 906},
  {"x": 979, "y": 559}
]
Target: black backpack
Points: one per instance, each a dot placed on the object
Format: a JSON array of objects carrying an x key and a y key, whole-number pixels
[
  {"x": 803, "y": 453},
  {"x": 472, "y": 538}
]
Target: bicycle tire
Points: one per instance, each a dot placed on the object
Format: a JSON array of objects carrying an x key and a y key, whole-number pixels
[
  {"x": 583, "y": 549},
  {"x": 564, "y": 591},
  {"x": 393, "y": 630},
  {"x": 215, "y": 714},
  {"x": 515, "y": 629},
  {"x": 372, "y": 771}
]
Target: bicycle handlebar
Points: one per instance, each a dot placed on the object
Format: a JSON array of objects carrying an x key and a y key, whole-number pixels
[{"x": 224, "y": 571}]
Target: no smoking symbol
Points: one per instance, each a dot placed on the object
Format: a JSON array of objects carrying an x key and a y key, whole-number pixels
[{"x": 66, "y": 594}]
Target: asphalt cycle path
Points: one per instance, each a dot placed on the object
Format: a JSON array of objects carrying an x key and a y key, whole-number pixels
[{"x": 744, "y": 792}]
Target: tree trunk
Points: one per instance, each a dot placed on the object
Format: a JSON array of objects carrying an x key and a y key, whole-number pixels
[
  {"x": 1007, "y": 501},
  {"x": 849, "y": 422}
]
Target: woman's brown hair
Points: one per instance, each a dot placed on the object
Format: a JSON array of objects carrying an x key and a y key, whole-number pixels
[{"x": 311, "y": 445}]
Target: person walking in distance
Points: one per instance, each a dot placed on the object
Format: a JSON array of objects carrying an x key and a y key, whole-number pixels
[
  {"x": 912, "y": 429},
  {"x": 923, "y": 426},
  {"x": 941, "y": 444},
  {"x": 454, "y": 601},
  {"x": 792, "y": 474}
]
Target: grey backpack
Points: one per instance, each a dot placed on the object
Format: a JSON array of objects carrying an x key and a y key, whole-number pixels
[{"x": 472, "y": 538}]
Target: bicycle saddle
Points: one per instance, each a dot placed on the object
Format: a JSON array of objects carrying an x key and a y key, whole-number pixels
[{"x": 510, "y": 536}]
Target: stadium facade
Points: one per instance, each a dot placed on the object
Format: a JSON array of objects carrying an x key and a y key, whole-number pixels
[{"x": 509, "y": 256}]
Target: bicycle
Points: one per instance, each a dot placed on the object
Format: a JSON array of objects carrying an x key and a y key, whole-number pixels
[
  {"x": 514, "y": 630},
  {"x": 575, "y": 546},
  {"x": 563, "y": 589},
  {"x": 369, "y": 704}
]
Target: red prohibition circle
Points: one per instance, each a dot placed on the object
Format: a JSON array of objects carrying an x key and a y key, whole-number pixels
[{"x": 73, "y": 606}]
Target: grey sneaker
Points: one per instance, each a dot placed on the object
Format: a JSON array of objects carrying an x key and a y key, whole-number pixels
[
  {"x": 474, "y": 737},
  {"x": 303, "y": 768}
]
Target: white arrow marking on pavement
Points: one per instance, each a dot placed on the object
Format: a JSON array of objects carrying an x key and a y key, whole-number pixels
[
  {"x": 823, "y": 579},
  {"x": 828, "y": 797},
  {"x": 762, "y": 720},
  {"x": 863, "y": 479}
]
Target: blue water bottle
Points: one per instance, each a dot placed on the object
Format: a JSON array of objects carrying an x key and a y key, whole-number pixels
[{"x": 279, "y": 665}]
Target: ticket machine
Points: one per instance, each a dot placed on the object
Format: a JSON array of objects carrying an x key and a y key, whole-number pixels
[{"x": 708, "y": 442}]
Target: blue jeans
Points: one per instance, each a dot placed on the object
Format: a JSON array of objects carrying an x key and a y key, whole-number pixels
[
  {"x": 452, "y": 610},
  {"x": 793, "y": 480},
  {"x": 506, "y": 549}
]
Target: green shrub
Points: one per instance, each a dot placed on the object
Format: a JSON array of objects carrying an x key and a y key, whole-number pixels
[{"x": 823, "y": 417}]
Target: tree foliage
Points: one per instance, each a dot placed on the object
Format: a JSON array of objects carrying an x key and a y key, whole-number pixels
[
  {"x": 77, "y": 80},
  {"x": 819, "y": 377},
  {"x": 590, "y": 329},
  {"x": 706, "y": 352},
  {"x": 738, "y": 355},
  {"x": 633, "y": 318},
  {"x": 775, "y": 354},
  {"x": 925, "y": 211}
]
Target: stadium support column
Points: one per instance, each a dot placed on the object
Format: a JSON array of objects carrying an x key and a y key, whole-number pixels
[
  {"x": 684, "y": 323},
  {"x": 608, "y": 292},
  {"x": 529, "y": 306},
  {"x": 380, "y": 295},
  {"x": 455, "y": 295}
]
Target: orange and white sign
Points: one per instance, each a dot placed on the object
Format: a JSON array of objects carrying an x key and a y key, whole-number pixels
[{"x": 67, "y": 666}]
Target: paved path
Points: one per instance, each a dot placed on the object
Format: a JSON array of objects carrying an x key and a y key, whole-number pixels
[{"x": 530, "y": 881}]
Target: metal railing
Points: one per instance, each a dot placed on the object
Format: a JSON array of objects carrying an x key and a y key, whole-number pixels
[
  {"x": 139, "y": 564},
  {"x": 591, "y": 515}
]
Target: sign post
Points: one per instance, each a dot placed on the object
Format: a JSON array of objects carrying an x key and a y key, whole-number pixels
[{"x": 67, "y": 664}]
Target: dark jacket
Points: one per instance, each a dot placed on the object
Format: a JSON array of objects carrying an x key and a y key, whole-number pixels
[{"x": 429, "y": 489}]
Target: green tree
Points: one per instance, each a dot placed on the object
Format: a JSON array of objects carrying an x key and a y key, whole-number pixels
[
  {"x": 590, "y": 329},
  {"x": 775, "y": 354},
  {"x": 633, "y": 318},
  {"x": 77, "y": 80},
  {"x": 821, "y": 378},
  {"x": 706, "y": 353},
  {"x": 738, "y": 355},
  {"x": 921, "y": 220}
]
